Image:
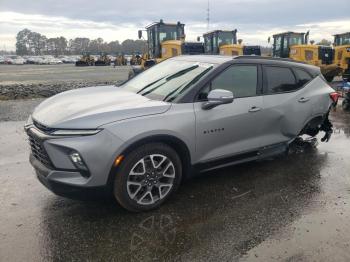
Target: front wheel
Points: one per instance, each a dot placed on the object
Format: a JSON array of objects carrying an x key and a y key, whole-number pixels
[{"x": 147, "y": 177}]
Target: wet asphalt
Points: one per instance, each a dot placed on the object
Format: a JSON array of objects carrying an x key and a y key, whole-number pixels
[{"x": 291, "y": 208}]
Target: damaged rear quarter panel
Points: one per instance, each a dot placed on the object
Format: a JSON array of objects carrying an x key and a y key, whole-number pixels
[{"x": 285, "y": 116}]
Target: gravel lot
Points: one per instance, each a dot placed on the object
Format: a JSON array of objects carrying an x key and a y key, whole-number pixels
[
  {"x": 28, "y": 81},
  {"x": 52, "y": 74}
]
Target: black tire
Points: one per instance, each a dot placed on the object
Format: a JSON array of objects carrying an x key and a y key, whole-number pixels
[
  {"x": 329, "y": 78},
  {"x": 120, "y": 188},
  {"x": 346, "y": 105}
]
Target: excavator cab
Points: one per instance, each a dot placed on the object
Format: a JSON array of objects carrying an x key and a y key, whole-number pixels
[
  {"x": 342, "y": 53},
  {"x": 284, "y": 41},
  {"x": 342, "y": 39},
  {"x": 215, "y": 39},
  {"x": 160, "y": 32},
  {"x": 165, "y": 40},
  {"x": 224, "y": 42}
]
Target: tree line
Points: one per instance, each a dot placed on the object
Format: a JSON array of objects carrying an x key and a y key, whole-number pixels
[{"x": 33, "y": 43}]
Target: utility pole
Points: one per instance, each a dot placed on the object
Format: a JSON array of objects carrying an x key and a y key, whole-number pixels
[{"x": 208, "y": 17}]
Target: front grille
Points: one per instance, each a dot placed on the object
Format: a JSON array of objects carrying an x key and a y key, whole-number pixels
[{"x": 38, "y": 150}]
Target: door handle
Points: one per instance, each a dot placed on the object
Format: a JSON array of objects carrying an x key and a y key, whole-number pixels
[
  {"x": 254, "y": 109},
  {"x": 303, "y": 100}
]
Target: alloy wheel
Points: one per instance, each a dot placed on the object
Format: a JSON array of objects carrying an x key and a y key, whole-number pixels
[{"x": 151, "y": 179}]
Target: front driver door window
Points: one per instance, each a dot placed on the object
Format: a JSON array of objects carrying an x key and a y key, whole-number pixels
[
  {"x": 240, "y": 80},
  {"x": 232, "y": 128}
]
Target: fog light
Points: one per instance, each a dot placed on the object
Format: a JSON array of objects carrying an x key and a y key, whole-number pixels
[
  {"x": 76, "y": 158},
  {"x": 78, "y": 162}
]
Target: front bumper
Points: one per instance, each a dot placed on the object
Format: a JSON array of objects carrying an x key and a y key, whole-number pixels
[
  {"x": 46, "y": 175},
  {"x": 54, "y": 168}
]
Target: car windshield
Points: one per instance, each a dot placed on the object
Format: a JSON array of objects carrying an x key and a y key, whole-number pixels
[{"x": 167, "y": 80}]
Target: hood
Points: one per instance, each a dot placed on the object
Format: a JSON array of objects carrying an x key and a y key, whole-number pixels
[{"x": 94, "y": 106}]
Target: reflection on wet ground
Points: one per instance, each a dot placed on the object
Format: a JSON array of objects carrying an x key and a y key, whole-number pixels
[{"x": 292, "y": 208}]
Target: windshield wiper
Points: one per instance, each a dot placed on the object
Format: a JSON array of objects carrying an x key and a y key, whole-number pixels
[
  {"x": 194, "y": 80},
  {"x": 167, "y": 79},
  {"x": 171, "y": 93},
  {"x": 150, "y": 84},
  {"x": 182, "y": 72}
]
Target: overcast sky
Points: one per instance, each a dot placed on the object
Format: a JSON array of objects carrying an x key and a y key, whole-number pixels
[{"x": 119, "y": 20}]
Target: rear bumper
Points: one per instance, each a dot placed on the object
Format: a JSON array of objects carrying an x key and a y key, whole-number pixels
[{"x": 47, "y": 177}]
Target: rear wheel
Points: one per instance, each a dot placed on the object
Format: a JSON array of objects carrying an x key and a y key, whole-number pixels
[
  {"x": 329, "y": 78},
  {"x": 346, "y": 104},
  {"x": 147, "y": 177}
]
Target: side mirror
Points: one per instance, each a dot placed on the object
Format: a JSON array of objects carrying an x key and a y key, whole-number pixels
[
  {"x": 198, "y": 38},
  {"x": 140, "y": 34},
  {"x": 218, "y": 97}
]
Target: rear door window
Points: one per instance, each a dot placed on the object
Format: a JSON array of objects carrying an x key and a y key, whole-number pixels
[
  {"x": 302, "y": 77},
  {"x": 279, "y": 80}
]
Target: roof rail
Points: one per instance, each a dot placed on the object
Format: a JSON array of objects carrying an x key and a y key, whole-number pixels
[{"x": 267, "y": 58}]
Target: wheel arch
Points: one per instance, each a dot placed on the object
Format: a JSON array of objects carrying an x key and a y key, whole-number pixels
[
  {"x": 311, "y": 126},
  {"x": 174, "y": 142}
]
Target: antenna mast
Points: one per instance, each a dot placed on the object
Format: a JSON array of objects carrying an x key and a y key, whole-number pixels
[{"x": 208, "y": 17}]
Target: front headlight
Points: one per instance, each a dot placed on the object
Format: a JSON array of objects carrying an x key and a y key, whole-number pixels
[
  {"x": 29, "y": 121},
  {"x": 75, "y": 132}
]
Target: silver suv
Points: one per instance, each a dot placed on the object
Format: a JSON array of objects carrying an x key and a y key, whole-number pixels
[{"x": 139, "y": 140}]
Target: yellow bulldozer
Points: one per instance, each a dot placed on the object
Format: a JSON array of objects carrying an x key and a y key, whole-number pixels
[
  {"x": 296, "y": 46},
  {"x": 135, "y": 59},
  {"x": 85, "y": 60},
  {"x": 342, "y": 53},
  {"x": 224, "y": 42},
  {"x": 103, "y": 60},
  {"x": 120, "y": 60},
  {"x": 165, "y": 40}
]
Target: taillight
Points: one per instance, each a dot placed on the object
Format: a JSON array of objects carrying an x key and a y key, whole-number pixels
[{"x": 334, "y": 96}]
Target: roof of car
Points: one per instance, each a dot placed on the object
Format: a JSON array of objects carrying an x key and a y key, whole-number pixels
[
  {"x": 220, "y": 59},
  {"x": 213, "y": 59}
]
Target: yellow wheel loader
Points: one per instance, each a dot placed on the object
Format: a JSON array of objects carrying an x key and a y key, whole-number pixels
[
  {"x": 296, "y": 47},
  {"x": 224, "y": 42},
  {"x": 165, "y": 40},
  {"x": 342, "y": 53},
  {"x": 85, "y": 60}
]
